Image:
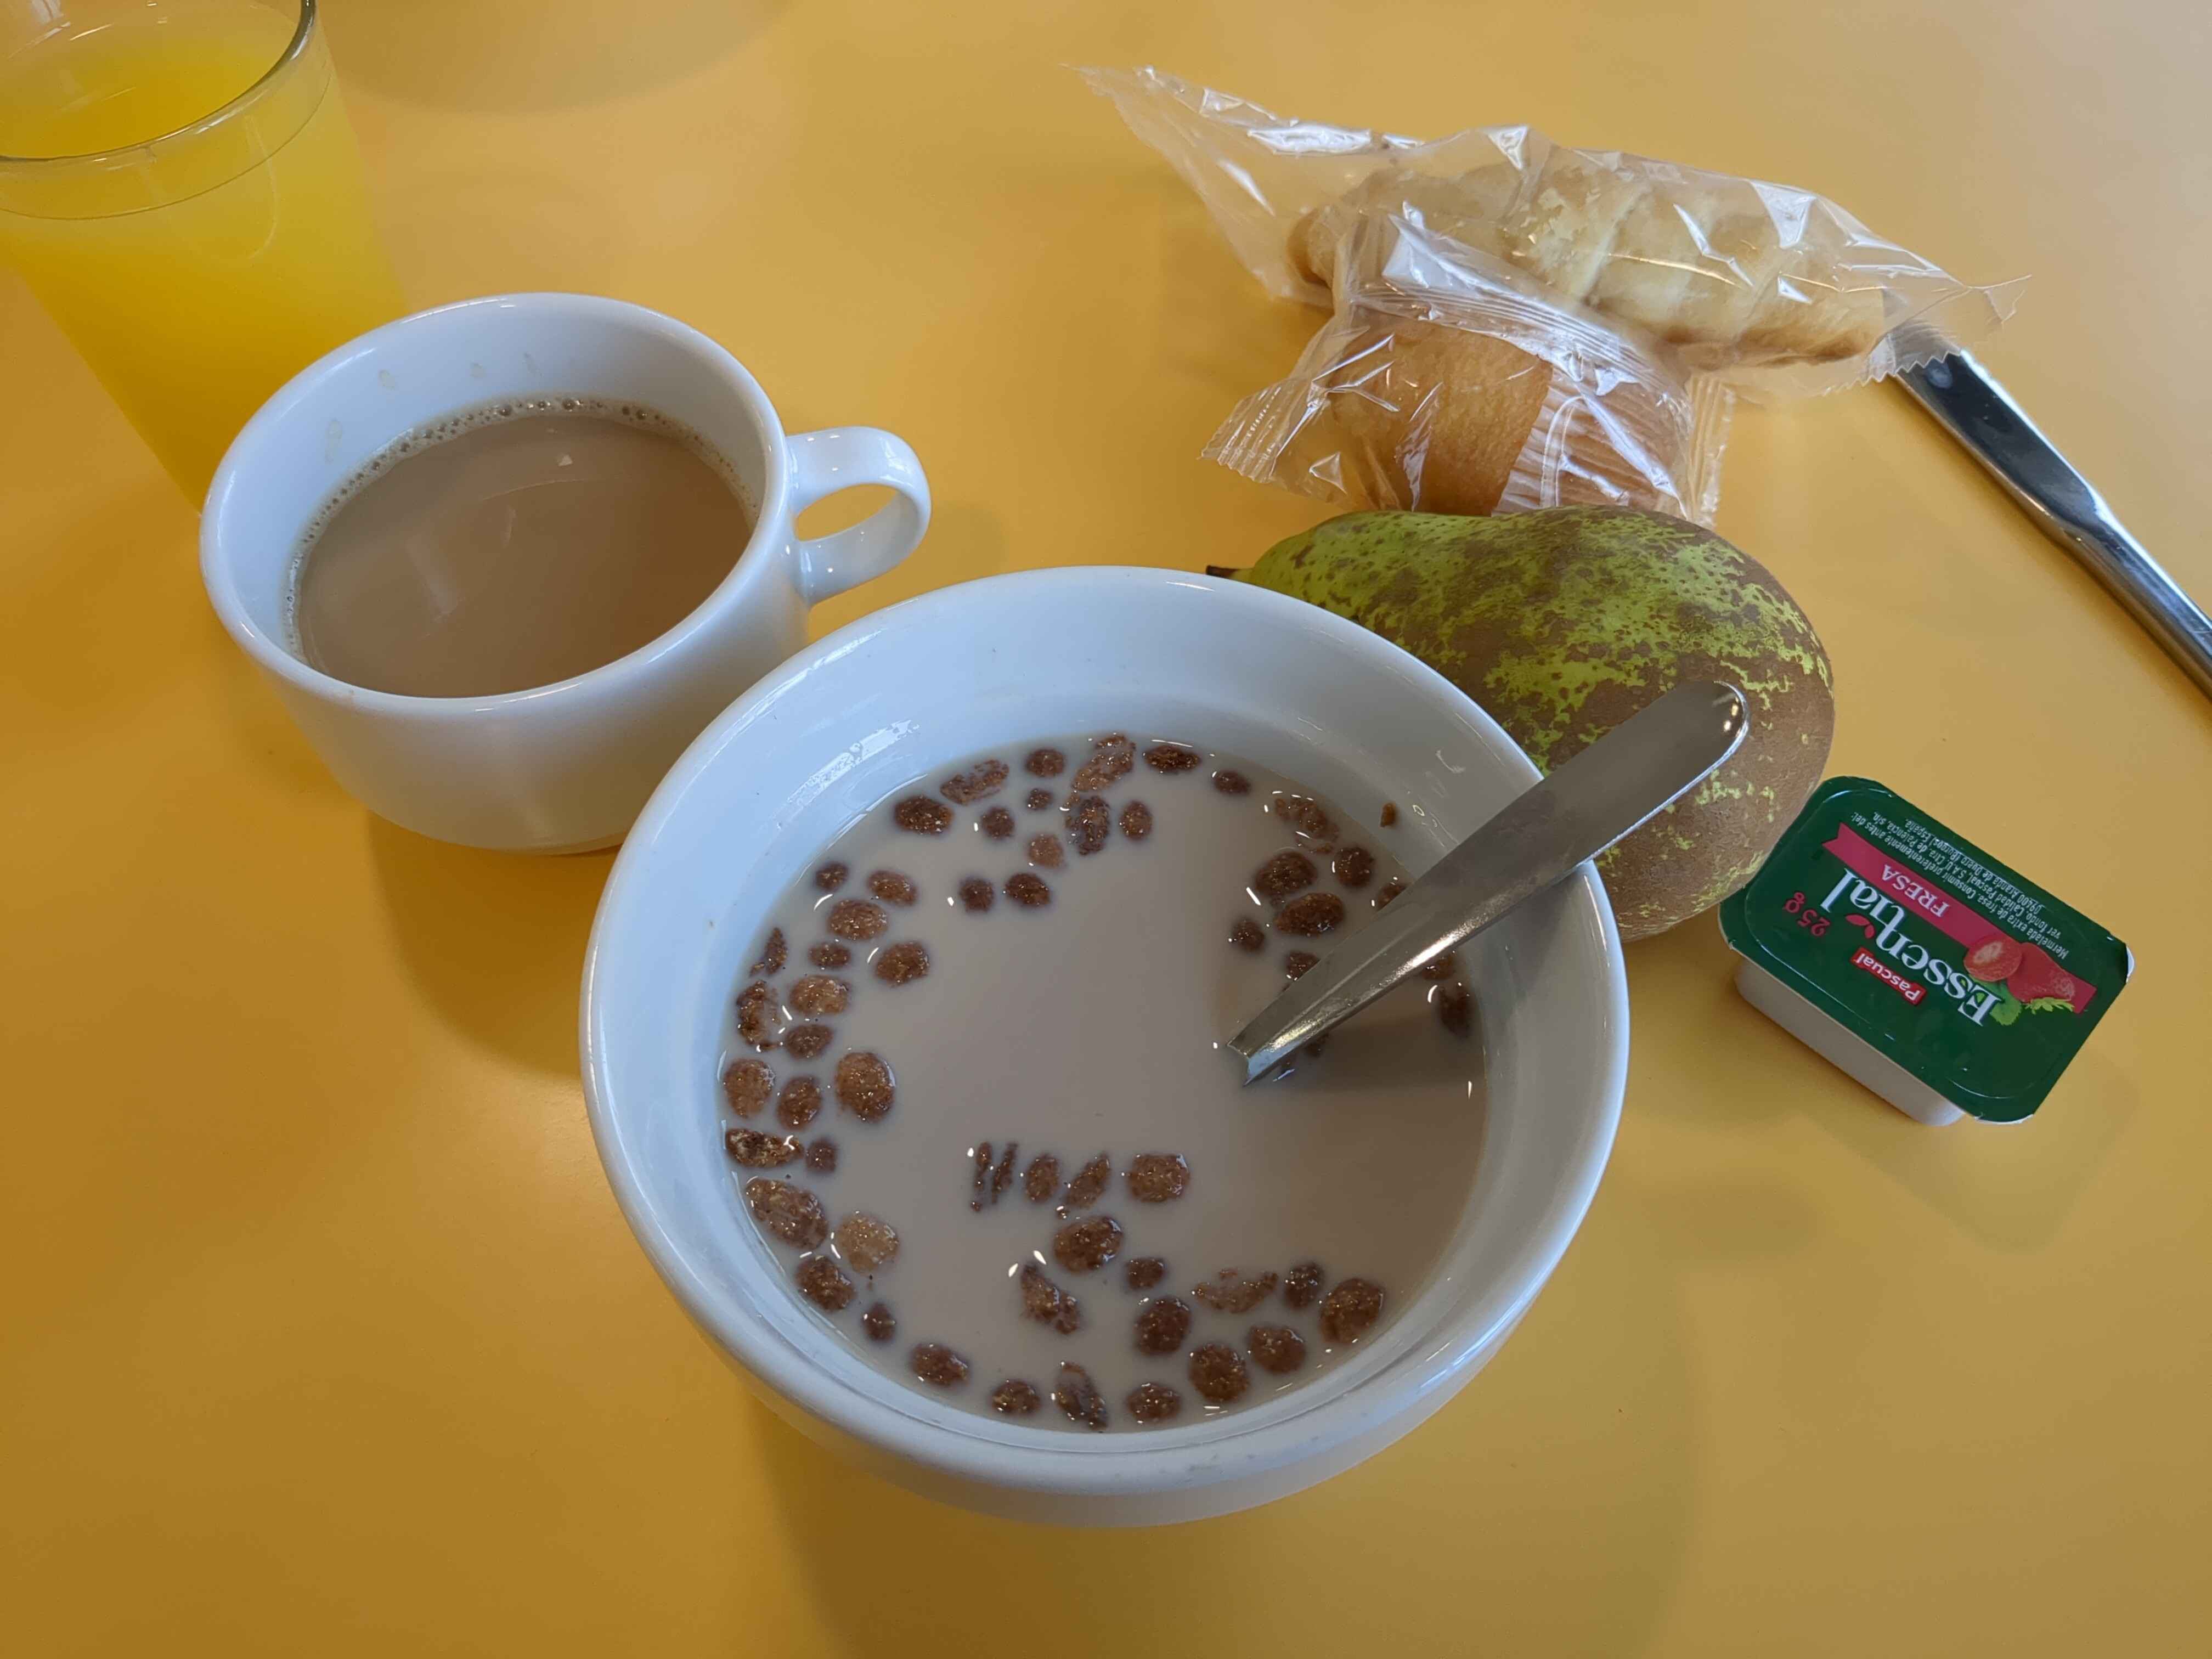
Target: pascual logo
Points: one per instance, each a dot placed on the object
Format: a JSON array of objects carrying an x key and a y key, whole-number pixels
[{"x": 1886, "y": 915}]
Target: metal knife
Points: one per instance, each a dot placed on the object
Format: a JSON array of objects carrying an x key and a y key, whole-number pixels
[{"x": 1982, "y": 416}]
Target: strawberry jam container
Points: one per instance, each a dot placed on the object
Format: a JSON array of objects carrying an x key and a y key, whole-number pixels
[{"x": 1947, "y": 983}]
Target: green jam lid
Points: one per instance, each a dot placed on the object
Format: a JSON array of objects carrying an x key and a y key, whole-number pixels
[{"x": 1970, "y": 976}]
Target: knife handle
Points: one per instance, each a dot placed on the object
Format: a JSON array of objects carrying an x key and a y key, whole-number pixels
[{"x": 1982, "y": 416}]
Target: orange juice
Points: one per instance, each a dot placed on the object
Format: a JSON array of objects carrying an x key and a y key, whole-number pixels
[{"x": 180, "y": 187}]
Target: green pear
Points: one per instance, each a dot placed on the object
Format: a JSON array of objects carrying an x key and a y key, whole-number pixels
[{"x": 1562, "y": 623}]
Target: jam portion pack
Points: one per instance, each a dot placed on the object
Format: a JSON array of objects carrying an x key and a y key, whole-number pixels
[{"x": 1945, "y": 981}]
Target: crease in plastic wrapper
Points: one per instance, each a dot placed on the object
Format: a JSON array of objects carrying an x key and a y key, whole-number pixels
[{"x": 1653, "y": 294}]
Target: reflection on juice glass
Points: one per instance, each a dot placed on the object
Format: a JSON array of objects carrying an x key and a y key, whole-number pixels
[{"x": 180, "y": 187}]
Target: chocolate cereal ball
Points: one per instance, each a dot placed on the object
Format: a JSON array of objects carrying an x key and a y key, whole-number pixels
[
  {"x": 1085, "y": 1246},
  {"x": 1349, "y": 1311},
  {"x": 921, "y": 815},
  {"x": 864, "y": 1087},
  {"x": 1152, "y": 1402},
  {"x": 937, "y": 1365},
  {"x": 1157, "y": 1177},
  {"x": 1218, "y": 1372},
  {"x": 1276, "y": 1349},
  {"x": 1163, "y": 1325}
]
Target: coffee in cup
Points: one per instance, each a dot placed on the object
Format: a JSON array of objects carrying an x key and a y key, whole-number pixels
[
  {"x": 516, "y": 544},
  {"x": 511, "y": 760}
]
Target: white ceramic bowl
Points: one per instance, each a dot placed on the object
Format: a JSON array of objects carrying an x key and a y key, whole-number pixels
[{"x": 987, "y": 663}]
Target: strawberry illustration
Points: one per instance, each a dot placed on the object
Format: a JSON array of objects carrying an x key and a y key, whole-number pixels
[
  {"x": 1995, "y": 958},
  {"x": 2038, "y": 979}
]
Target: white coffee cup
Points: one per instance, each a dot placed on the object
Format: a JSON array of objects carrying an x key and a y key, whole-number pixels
[{"x": 563, "y": 767}]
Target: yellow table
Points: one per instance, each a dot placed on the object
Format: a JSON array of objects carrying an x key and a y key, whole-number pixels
[{"x": 322, "y": 1334}]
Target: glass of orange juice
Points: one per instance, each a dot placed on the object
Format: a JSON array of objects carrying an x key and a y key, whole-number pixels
[{"x": 179, "y": 188}]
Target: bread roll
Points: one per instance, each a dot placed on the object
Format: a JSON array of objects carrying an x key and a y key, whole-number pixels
[
  {"x": 1426, "y": 390},
  {"x": 1722, "y": 272},
  {"x": 1696, "y": 259},
  {"x": 1467, "y": 207},
  {"x": 1812, "y": 309},
  {"x": 1563, "y": 231}
]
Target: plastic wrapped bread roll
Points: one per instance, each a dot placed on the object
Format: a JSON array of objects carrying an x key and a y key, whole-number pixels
[
  {"x": 1776, "y": 291},
  {"x": 1469, "y": 208},
  {"x": 1691, "y": 258},
  {"x": 1443, "y": 385},
  {"x": 1419, "y": 411},
  {"x": 1517, "y": 323}
]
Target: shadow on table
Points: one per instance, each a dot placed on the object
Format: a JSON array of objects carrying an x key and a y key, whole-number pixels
[
  {"x": 2010, "y": 1185},
  {"x": 494, "y": 940},
  {"x": 514, "y": 55},
  {"x": 1546, "y": 1510}
]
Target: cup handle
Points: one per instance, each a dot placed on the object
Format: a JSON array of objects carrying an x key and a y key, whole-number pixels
[{"x": 838, "y": 458}]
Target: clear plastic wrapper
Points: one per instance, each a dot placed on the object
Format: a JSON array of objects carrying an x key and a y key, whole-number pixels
[
  {"x": 1449, "y": 385},
  {"x": 1518, "y": 324}
]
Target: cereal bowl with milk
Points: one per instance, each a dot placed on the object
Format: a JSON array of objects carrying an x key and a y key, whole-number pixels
[{"x": 902, "y": 1025}]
